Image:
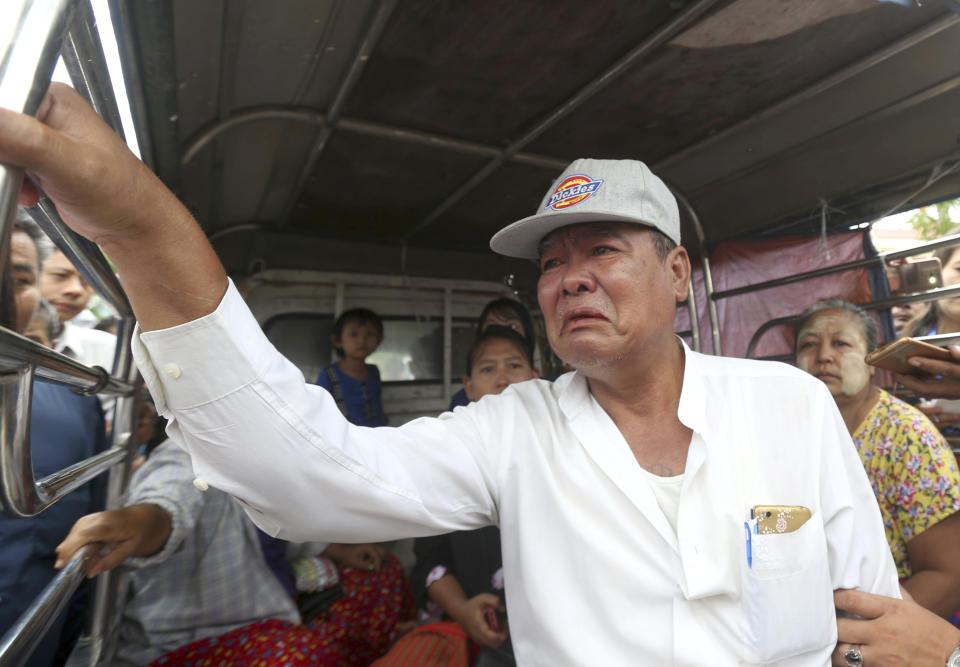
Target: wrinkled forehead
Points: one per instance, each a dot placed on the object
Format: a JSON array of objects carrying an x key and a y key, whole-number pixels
[
  {"x": 832, "y": 322},
  {"x": 572, "y": 234}
]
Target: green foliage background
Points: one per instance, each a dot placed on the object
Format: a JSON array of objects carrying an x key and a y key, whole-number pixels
[{"x": 937, "y": 220}]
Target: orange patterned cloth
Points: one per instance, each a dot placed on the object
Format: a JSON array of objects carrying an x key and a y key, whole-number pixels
[{"x": 434, "y": 645}]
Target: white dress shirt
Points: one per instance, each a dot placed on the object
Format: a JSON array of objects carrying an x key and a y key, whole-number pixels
[
  {"x": 595, "y": 575},
  {"x": 88, "y": 346}
]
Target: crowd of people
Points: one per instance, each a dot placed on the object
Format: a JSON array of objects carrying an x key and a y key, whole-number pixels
[{"x": 610, "y": 516}]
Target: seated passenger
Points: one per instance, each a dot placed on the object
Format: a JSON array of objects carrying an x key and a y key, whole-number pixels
[
  {"x": 354, "y": 383},
  {"x": 200, "y": 580},
  {"x": 507, "y": 313},
  {"x": 460, "y": 575},
  {"x": 912, "y": 470}
]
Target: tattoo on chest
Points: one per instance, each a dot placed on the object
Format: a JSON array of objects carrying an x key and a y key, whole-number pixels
[{"x": 661, "y": 470}]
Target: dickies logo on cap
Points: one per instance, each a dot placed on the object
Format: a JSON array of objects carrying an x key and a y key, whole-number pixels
[{"x": 572, "y": 190}]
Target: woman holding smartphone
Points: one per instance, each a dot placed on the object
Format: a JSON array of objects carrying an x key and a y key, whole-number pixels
[{"x": 911, "y": 469}]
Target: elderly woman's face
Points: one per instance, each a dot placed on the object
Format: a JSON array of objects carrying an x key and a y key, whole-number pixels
[{"x": 832, "y": 346}]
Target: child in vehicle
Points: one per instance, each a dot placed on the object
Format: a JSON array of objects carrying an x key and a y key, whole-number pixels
[{"x": 353, "y": 383}]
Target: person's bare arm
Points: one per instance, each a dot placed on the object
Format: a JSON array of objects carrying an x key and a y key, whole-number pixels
[
  {"x": 891, "y": 632},
  {"x": 935, "y": 583},
  {"x": 138, "y": 530},
  {"x": 468, "y": 613},
  {"x": 168, "y": 269},
  {"x": 358, "y": 556},
  {"x": 935, "y": 379}
]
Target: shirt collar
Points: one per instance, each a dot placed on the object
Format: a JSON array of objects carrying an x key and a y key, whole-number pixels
[
  {"x": 574, "y": 392},
  {"x": 692, "y": 409}
]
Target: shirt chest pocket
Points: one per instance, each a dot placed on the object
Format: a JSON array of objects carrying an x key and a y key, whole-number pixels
[{"x": 786, "y": 594}]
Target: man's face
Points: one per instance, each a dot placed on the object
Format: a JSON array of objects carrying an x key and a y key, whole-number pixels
[
  {"x": 63, "y": 286},
  {"x": 23, "y": 260},
  {"x": 832, "y": 346},
  {"x": 606, "y": 296},
  {"x": 498, "y": 364}
]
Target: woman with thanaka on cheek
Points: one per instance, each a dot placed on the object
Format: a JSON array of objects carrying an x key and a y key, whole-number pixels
[
  {"x": 459, "y": 576},
  {"x": 912, "y": 470}
]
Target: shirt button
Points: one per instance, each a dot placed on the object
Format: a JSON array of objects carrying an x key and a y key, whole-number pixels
[
  {"x": 200, "y": 484},
  {"x": 172, "y": 370}
]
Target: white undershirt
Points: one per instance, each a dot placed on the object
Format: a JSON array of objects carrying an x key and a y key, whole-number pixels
[{"x": 667, "y": 492}]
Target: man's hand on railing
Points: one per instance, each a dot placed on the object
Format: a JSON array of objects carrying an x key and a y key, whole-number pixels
[
  {"x": 103, "y": 192},
  {"x": 138, "y": 530},
  {"x": 934, "y": 379}
]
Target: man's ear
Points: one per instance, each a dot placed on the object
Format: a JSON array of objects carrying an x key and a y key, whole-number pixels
[
  {"x": 678, "y": 263},
  {"x": 335, "y": 340},
  {"x": 467, "y": 387},
  {"x": 536, "y": 373}
]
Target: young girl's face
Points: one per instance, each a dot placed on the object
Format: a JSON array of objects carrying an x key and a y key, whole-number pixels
[
  {"x": 358, "y": 340},
  {"x": 498, "y": 363}
]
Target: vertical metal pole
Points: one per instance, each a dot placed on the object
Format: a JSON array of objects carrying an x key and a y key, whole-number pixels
[
  {"x": 338, "y": 300},
  {"x": 83, "y": 55},
  {"x": 711, "y": 304},
  {"x": 707, "y": 274},
  {"x": 27, "y": 60},
  {"x": 694, "y": 317},
  {"x": 447, "y": 343}
]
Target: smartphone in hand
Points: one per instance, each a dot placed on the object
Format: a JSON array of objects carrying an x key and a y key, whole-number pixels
[
  {"x": 894, "y": 356},
  {"x": 496, "y": 620}
]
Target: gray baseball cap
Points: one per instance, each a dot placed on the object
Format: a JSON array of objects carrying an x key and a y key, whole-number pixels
[{"x": 594, "y": 191}]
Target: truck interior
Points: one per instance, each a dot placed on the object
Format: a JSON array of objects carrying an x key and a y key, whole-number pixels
[{"x": 343, "y": 153}]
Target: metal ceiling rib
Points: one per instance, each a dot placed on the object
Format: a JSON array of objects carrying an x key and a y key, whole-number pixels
[
  {"x": 311, "y": 116},
  {"x": 661, "y": 36},
  {"x": 377, "y": 24},
  {"x": 301, "y": 92},
  {"x": 817, "y": 88},
  {"x": 231, "y": 27},
  {"x": 893, "y": 108}
]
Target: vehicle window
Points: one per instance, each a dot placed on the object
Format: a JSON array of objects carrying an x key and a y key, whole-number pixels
[{"x": 412, "y": 348}]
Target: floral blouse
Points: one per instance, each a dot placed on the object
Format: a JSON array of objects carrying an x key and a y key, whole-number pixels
[{"x": 912, "y": 471}]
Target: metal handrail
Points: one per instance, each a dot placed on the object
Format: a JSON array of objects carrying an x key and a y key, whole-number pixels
[
  {"x": 917, "y": 297},
  {"x": 26, "y": 65},
  {"x": 17, "y": 351},
  {"x": 39, "y": 34},
  {"x": 21, "y": 495},
  {"x": 83, "y": 56},
  {"x": 23, "y": 637},
  {"x": 879, "y": 260}
]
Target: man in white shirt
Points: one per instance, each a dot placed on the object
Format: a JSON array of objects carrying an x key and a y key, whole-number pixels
[
  {"x": 623, "y": 490},
  {"x": 62, "y": 285}
]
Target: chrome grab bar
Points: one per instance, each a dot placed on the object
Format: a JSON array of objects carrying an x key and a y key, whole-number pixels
[
  {"x": 17, "y": 352},
  {"x": 24, "y": 636},
  {"x": 929, "y": 295},
  {"x": 38, "y": 31},
  {"x": 21, "y": 495}
]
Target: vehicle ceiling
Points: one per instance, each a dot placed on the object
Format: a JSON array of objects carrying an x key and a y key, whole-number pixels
[{"x": 367, "y": 135}]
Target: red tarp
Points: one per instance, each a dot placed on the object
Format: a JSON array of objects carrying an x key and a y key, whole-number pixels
[{"x": 740, "y": 263}]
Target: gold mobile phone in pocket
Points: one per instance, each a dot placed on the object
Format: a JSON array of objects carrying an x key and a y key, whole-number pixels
[{"x": 773, "y": 519}]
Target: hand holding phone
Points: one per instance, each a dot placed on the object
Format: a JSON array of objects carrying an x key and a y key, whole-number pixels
[{"x": 894, "y": 356}]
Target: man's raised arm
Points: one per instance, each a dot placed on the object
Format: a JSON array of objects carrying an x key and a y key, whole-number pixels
[{"x": 168, "y": 269}]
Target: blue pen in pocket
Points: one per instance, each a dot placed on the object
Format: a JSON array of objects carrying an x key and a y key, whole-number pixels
[{"x": 746, "y": 527}]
